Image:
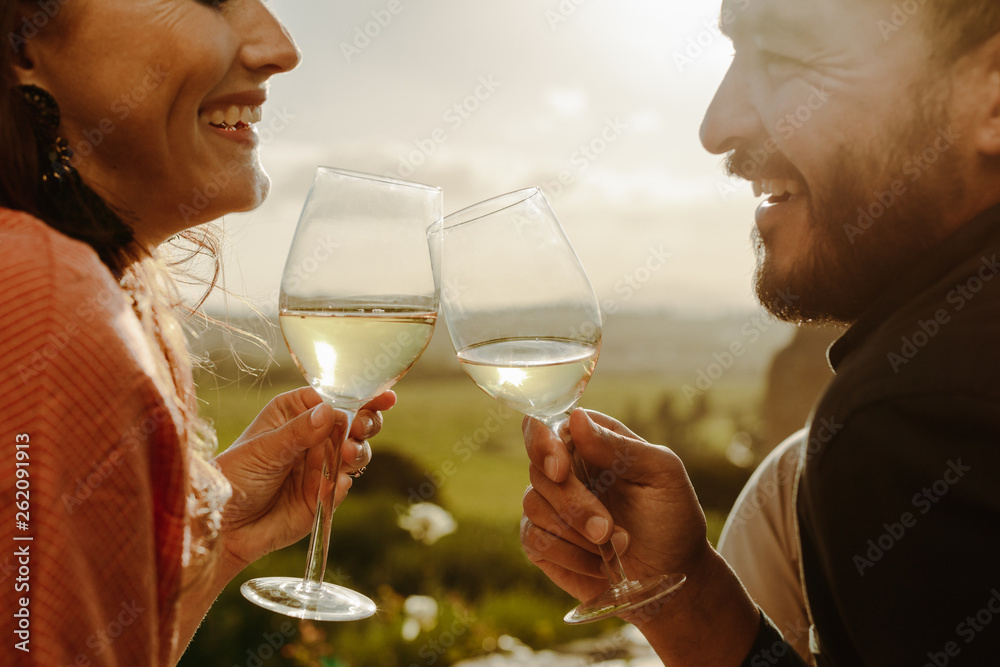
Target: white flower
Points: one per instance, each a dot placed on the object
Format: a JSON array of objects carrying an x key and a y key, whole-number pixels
[
  {"x": 411, "y": 629},
  {"x": 427, "y": 522},
  {"x": 421, "y": 615}
]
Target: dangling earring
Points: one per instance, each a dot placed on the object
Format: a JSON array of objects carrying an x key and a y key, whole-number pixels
[
  {"x": 63, "y": 199},
  {"x": 53, "y": 150}
]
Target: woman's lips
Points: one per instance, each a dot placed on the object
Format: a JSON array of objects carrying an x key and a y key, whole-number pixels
[{"x": 232, "y": 117}]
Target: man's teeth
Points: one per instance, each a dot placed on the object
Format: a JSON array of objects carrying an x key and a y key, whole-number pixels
[
  {"x": 228, "y": 118},
  {"x": 776, "y": 188}
]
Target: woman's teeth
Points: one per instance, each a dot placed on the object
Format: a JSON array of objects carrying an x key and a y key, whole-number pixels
[
  {"x": 777, "y": 188},
  {"x": 232, "y": 118}
]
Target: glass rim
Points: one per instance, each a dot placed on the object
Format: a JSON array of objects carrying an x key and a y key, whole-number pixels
[
  {"x": 377, "y": 178},
  {"x": 493, "y": 205}
]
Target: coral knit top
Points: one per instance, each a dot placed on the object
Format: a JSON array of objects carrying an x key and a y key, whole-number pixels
[{"x": 92, "y": 464}]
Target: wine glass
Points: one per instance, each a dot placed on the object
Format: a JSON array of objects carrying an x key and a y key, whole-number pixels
[
  {"x": 358, "y": 304},
  {"x": 526, "y": 326}
]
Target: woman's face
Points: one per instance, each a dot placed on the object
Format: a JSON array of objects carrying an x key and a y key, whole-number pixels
[{"x": 158, "y": 101}]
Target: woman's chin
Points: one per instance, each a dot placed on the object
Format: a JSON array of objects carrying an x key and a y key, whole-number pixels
[{"x": 237, "y": 197}]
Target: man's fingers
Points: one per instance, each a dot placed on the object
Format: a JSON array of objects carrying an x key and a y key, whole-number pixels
[
  {"x": 611, "y": 424},
  {"x": 546, "y": 451},
  {"x": 540, "y": 512},
  {"x": 619, "y": 453},
  {"x": 575, "y": 505},
  {"x": 542, "y": 546}
]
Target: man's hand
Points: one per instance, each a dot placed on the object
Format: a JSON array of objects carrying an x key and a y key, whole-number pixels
[
  {"x": 649, "y": 506},
  {"x": 275, "y": 469},
  {"x": 644, "y": 502}
]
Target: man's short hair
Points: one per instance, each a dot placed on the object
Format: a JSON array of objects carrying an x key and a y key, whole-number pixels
[{"x": 957, "y": 27}]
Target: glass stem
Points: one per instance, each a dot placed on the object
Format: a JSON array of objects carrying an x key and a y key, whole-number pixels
[
  {"x": 319, "y": 541},
  {"x": 559, "y": 424}
]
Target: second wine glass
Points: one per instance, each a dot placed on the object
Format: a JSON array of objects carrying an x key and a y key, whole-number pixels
[
  {"x": 358, "y": 304},
  {"x": 526, "y": 326}
]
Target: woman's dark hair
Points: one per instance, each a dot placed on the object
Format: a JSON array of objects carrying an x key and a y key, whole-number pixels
[
  {"x": 67, "y": 206},
  {"x": 75, "y": 210}
]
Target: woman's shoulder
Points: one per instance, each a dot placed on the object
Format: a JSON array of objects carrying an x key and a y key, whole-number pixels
[
  {"x": 60, "y": 304},
  {"x": 38, "y": 257}
]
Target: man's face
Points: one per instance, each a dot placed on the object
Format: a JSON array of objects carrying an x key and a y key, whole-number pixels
[{"x": 844, "y": 126}]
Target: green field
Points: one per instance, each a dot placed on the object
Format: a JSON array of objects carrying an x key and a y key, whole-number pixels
[
  {"x": 448, "y": 442},
  {"x": 470, "y": 446}
]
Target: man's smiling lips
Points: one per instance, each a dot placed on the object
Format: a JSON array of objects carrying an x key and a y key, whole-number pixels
[
  {"x": 785, "y": 203},
  {"x": 778, "y": 189}
]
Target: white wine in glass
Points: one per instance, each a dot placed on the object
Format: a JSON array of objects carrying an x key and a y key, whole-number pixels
[
  {"x": 358, "y": 304},
  {"x": 526, "y": 327}
]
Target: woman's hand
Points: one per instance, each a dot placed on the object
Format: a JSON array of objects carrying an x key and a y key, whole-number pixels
[{"x": 275, "y": 470}]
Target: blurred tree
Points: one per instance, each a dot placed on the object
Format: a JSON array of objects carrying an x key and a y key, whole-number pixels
[{"x": 798, "y": 375}]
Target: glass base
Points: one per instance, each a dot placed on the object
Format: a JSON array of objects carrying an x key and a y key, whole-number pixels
[
  {"x": 297, "y": 598},
  {"x": 629, "y": 596}
]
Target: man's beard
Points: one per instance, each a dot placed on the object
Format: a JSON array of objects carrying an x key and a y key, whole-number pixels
[{"x": 848, "y": 267}]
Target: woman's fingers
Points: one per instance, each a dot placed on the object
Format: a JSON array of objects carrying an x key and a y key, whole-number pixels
[
  {"x": 368, "y": 421},
  {"x": 357, "y": 453}
]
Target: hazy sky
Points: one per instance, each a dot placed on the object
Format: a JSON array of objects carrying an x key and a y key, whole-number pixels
[{"x": 483, "y": 98}]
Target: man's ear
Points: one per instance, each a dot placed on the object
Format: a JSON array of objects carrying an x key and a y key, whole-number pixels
[{"x": 987, "y": 127}]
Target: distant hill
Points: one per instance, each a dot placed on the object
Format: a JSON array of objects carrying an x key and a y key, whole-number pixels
[{"x": 646, "y": 343}]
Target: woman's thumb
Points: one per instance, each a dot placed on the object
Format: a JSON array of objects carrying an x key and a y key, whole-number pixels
[{"x": 307, "y": 430}]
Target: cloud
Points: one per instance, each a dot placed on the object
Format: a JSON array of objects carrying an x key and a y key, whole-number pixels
[{"x": 387, "y": 111}]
